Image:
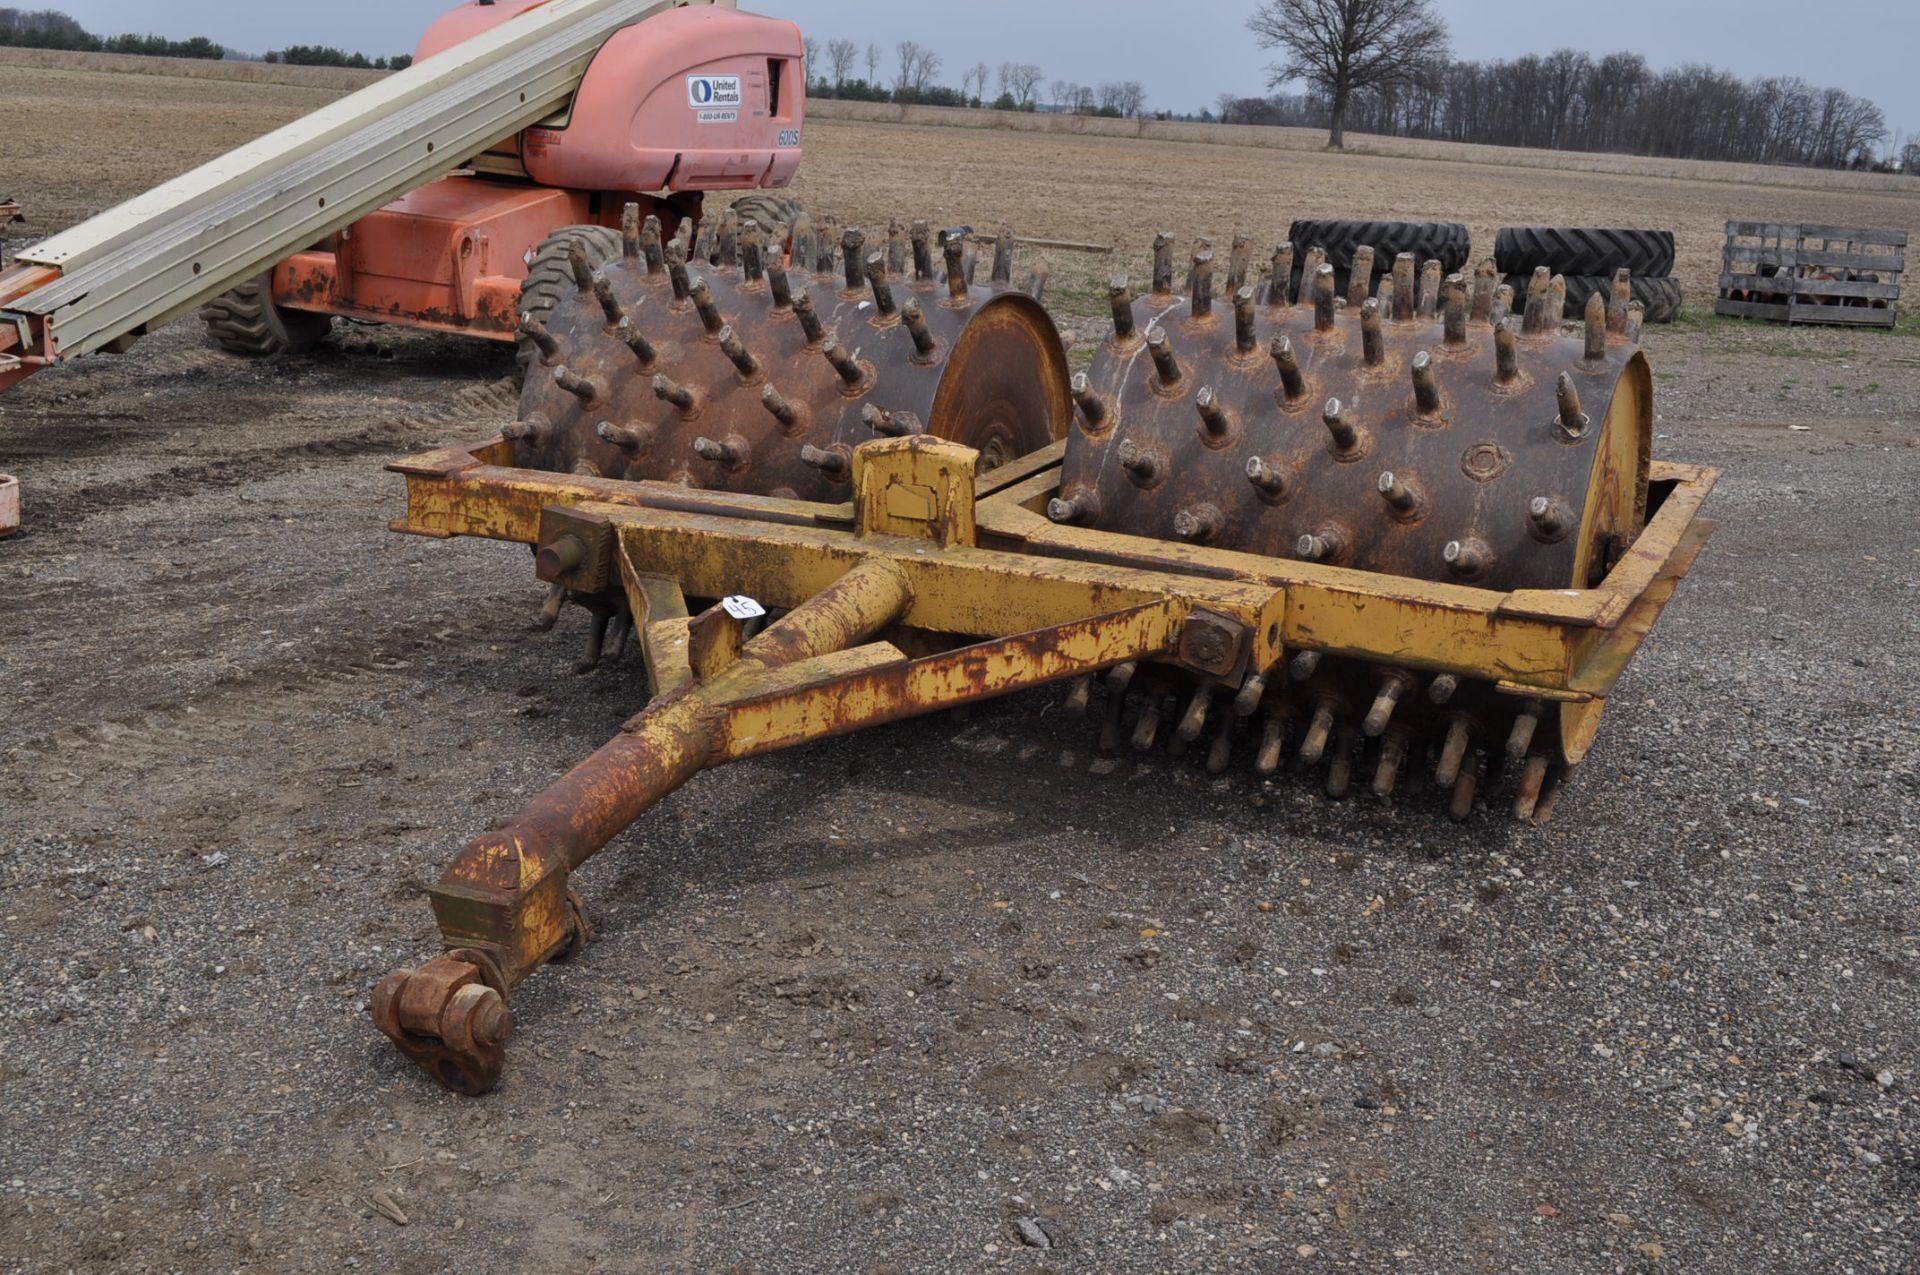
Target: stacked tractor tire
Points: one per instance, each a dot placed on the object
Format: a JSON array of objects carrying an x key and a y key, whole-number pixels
[{"x": 1592, "y": 261}]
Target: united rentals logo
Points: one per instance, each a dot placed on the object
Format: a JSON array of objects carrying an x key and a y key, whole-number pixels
[{"x": 715, "y": 95}]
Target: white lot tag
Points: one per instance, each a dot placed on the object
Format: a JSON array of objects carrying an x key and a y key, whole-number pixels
[{"x": 742, "y": 608}]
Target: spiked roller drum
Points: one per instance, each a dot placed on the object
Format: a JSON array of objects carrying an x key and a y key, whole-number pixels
[
  {"x": 1428, "y": 431},
  {"x": 719, "y": 363}
]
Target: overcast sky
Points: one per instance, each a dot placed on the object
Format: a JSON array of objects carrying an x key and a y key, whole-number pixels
[{"x": 1186, "y": 53}]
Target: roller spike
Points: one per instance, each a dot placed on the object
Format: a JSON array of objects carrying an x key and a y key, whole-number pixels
[
  {"x": 1273, "y": 744},
  {"x": 1275, "y": 484},
  {"x": 1037, "y": 280},
  {"x": 1428, "y": 304},
  {"x": 1404, "y": 269},
  {"x": 801, "y": 250},
  {"x": 1535, "y": 315},
  {"x": 835, "y": 462},
  {"x": 779, "y": 286},
  {"x": 890, "y": 424},
  {"x": 1215, "y": 424},
  {"x": 737, "y": 354},
  {"x": 853, "y": 243},
  {"x": 733, "y": 451},
  {"x": 972, "y": 264},
  {"x": 1347, "y": 437},
  {"x": 1456, "y": 317},
  {"x": 1292, "y": 384},
  {"x": 1079, "y": 696},
  {"x": 1220, "y": 754},
  {"x": 1373, "y": 338},
  {"x": 956, "y": 272},
  {"x": 1393, "y": 759},
  {"x": 1556, "y": 313},
  {"x": 1252, "y": 692},
  {"x": 1163, "y": 266},
  {"x": 1120, "y": 301},
  {"x": 1147, "y": 729},
  {"x": 792, "y": 418},
  {"x": 635, "y": 439},
  {"x": 1501, "y": 307},
  {"x": 1193, "y": 723},
  {"x": 1596, "y": 328},
  {"x": 1239, "y": 263},
  {"x": 1360, "y": 278},
  {"x": 824, "y": 251},
  {"x": 535, "y": 431},
  {"x": 1120, "y": 677},
  {"x": 710, "y": 317},
  {"x": 585, "y": 388},
  {"x": 882, "y": 290},
  {"x": 1636, "y": 321},
  {"x": 1506, "y": 350},
  {"x": 596, "y": 643},
  {"x": 536, "y": 332},
  {"x": 1525, "y": 724},
  {"x": 844, "y": 364},
  {"x": 1145, "y": 468},
  {"x": 1340, "y": 769},
  {"x": 753, "y": 253},
  {"x": 1573, "y": 422},
  {"x": 1392, "y": 687},
  {"x": 1619, "y": 298},
  {"x": 1314, "y": 746},
  {"x": 677, "y": 273},
  {"x": 924, "y": 345},
  {"x": 727, "y": 242},
  {"x": 1486, "y": 278},
  {"x": 1199, "y": 524},
  {"x": 1454, "y": 751},
  {"x": 550, "y": 609},
  {"x": 630, "y": 232},
  {"x": 667, "y": 390},
  {"x": 1305, "y": 665},
  {"x": 1426, "y": 389},
  {"x": 1327, "y": 543},
  {"x": 1110, "y": 724},
  {"x": 629, "y": 336},
  {"x": 1385, "y": 295},
  {"x": 810, "y": 323},
  {"x": 1549, "y": 519},
  {"x": 922, "y": 237},
  {"x": 1093, "y": 409},
  {"x": 1003, "y": 258},
  {"x": 582, "y": 270},
  {"x": 1533, "y": 779},
  {"x": 1401, "y": 493},
  {"x": 1310, "y": 268},
  {"x": 1280, "y": 278},
  {"x": 1164, "y": 360},
  {"x": 1202, "y": 284},
  {"x": 1464, "y": 789},
  {"x": 652, "y": 247},
  {"x": 1556, "y": 784},
  {"x": 703, "y": 242},
  {"x": 1246, "y": 334},
  {"x": 1323, "y": 299},
  {"x": 1075, "y": 510},
  {"x": 1468, "y": 558},
  {"x": 897, "y": 248},
  {"x": 1443, "y": 688}
]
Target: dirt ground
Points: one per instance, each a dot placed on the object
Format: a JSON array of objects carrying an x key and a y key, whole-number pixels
[{"x": 871, "y": 1005}]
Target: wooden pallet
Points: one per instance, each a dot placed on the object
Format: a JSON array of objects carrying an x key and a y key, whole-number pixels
[{"x": 1771, "y": 270}]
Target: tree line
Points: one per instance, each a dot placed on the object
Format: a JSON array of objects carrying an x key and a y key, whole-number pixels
[
  {"x": 327, "y": 55},
  {"x": 916, "y": 73},
  {"x": 52, "y": 29}
]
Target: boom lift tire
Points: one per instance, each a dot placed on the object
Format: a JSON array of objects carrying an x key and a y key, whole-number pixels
[{"x": 245, "y": 321}]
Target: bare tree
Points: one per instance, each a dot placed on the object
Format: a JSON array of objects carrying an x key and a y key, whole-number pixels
[
  {"x": 1340, "y": 46},
  {"x": 1131, "y": 98},
  {"x": 873, "y": 64},
  {"x": 918, "y": 66},
  {"x": 978, "y": 78},
  {"x": 810, "y": 50},
  {"x": 842, "y": 54},
  {"x": 1060, "y": 89},
  {"x": 1022, "y": 79}
]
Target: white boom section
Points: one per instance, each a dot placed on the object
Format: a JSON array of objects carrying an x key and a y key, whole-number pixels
[{"x": 178, "y": 246}]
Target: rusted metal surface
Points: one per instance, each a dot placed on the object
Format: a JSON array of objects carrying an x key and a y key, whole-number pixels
[{"x": 716, "y": 366}]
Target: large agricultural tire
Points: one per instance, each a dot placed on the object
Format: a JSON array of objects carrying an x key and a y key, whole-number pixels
[
  {"x": 1661, "y": 297},
  {"x": 775, "y": 214},
  {"x": 1571, "y": 251},
  {"x": 245, "y": 321},
  {"x": 1448, "y": 242},
  {"x": 550, "y": 275}
]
